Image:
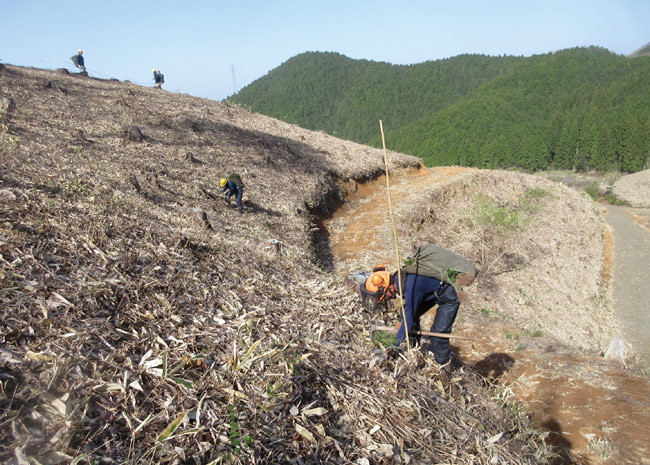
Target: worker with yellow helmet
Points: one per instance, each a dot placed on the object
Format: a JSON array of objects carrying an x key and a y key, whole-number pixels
[
  {"x": 158, "y": 78},
  {"x": 78, "y": 60},
  {"x": 233, "y": 185}
]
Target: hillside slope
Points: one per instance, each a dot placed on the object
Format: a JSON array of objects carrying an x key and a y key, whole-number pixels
[
  {"x": 634, "y": 189},
  {"x": 143, "y": 321}
]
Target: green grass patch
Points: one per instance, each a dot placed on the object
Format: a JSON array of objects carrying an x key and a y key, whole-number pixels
[
  {"x": 511, "y": 336},
  {"x": 384, "y": 339},
  {"x": 503, "y": 218},
  {"x": 537, "y": 193}
]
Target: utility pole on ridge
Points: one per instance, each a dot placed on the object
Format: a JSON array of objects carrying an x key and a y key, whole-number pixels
[{"x": 234, "y": 80}]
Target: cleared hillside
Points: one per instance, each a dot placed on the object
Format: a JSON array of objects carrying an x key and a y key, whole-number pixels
[
  {"x": 143, "y": 321},
  {"x": 634, "y": 189}
]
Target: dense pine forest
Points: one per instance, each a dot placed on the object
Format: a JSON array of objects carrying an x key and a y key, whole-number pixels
[{"x": 581, "y": 108}]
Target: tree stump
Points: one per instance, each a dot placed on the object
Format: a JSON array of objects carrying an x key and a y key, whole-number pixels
[
  {"x": 134, "y": 182},
  {"x": 8, "y": 105},
  {"x": 132, "y": 133},
  {"x": 189, "y": 156},
  {"x": 203, "y": 216},
  {"x": 55, "y": 85}
]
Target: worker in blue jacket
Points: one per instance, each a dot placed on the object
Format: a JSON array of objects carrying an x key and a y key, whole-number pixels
[
  {"x": 231, "y": 188},
  {"x": 78, "y": 60},
  {"x": 158, "y": 78},
  {"x": 420, "y": 294}
]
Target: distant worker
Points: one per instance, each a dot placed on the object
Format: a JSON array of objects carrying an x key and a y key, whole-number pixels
[
  {"x": 78, "y": 60},
  {"x": 233, "y": 186},
  {"x": 421, "y": 293},
  {"x": 158, "y": 78}
]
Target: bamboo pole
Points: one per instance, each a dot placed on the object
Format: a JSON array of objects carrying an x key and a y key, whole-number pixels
[{"x": 392, "y": 220}]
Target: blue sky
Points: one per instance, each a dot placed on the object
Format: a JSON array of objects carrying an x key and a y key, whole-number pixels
[{"x": 198, "y": 44}]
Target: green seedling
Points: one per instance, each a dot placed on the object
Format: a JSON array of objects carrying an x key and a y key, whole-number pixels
[{"x": 384, "y": 339}]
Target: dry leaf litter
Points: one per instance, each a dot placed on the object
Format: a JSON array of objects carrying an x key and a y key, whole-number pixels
[{"x": 143, "y": 321}]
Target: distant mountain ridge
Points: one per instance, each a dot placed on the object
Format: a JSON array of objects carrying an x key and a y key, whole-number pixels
[{"x": 582, "y": 108}]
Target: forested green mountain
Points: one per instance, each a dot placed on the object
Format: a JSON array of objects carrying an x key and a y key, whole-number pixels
[{"x": 583, "y": 108}]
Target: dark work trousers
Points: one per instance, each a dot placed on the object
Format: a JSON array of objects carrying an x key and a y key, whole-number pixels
[
  {"x": 237, "y": 192},
  {"x": 448, "y": 304}
]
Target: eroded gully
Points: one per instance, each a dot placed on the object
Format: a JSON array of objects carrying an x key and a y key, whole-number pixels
[{"x": 594, "y": 410}]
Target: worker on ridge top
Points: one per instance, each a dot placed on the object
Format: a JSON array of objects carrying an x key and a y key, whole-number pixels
[
  {"x": 158, "y": 78},
  {"x": 78, "y": 60}
]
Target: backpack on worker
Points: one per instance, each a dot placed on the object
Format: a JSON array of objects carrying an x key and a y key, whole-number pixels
[
  {"x": 162, "y": 78},
  {"x": 435, "y": 262},
  {"x": 234, "y": 177}
]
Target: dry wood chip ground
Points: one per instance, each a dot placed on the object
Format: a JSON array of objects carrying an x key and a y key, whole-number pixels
[{"x": 143, "y": 321}]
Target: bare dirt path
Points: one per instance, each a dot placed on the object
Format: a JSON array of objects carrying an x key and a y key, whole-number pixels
[
  {"x": 593, "y": 409},
  {"x": 631, "y": 272}
]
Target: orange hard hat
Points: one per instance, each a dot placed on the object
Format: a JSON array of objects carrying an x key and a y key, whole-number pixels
[{"x": 377, "y": 280}]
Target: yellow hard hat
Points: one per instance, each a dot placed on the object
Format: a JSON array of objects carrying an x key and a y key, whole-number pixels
[
  {"x": 154, "y": 70},
  {"x": 80, "y": 51},
  {"x": 223, "y": 182}
]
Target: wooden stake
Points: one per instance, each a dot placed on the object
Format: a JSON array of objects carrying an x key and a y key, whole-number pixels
[
  {"x": 421, "y": 333},
  {"x": 392, "y": 219}
]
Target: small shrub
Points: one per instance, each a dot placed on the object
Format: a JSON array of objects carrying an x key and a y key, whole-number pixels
[
  {"x": 612, "y": 199},
  {"x": 592, "y": 190}
]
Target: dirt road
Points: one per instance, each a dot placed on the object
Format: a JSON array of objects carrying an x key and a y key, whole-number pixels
[{"x": 594, "y": 410}]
